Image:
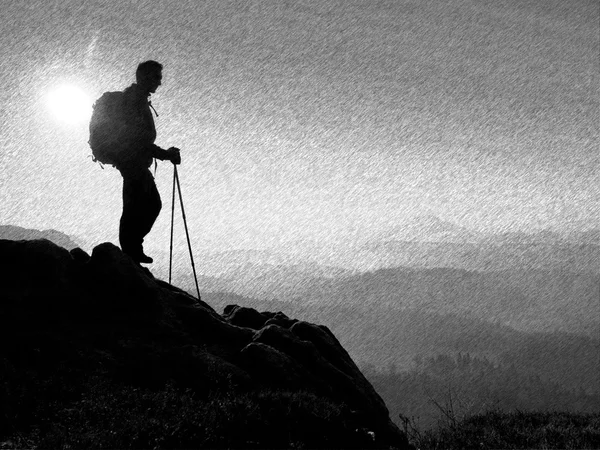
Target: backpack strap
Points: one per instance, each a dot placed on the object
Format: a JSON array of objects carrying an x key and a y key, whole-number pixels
[{"x": 150, "y": 105}]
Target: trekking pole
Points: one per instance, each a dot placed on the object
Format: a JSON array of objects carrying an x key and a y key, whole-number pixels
[
  {"x": 172, "y": 220},
  {"x": 186, "y": 228}
]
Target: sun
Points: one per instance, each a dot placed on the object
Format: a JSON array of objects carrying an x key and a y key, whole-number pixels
[{"x": 69, "y": 104}]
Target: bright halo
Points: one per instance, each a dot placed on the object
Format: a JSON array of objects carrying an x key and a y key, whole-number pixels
[{"x": 70, "y": 104}]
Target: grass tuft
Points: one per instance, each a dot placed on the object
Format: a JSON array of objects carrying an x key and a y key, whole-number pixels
[
  {"x": 108, "y": 415},
  {"x": 513, "y": 430}
]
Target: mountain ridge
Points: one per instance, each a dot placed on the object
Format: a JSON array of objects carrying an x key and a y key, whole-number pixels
[
  {"x": 16, "y": 233},
  {"x": 103, "y": 316}
]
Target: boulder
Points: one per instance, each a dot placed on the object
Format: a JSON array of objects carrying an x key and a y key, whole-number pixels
[
  {"x": 280, "y": 319},
  {"x": 116, "y": 277},
  {"x": 80, "y": 255},
  {"x": 244, "y": 317},
  {"x": 274, "y": 368},
  {"x": 37, "y": 272},
  {"x": 332, "y": 351}
]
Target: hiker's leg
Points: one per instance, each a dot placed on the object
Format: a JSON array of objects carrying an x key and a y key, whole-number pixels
[
  {"x": 130, "y": 235},
  {"x": 152, "y": 205}
]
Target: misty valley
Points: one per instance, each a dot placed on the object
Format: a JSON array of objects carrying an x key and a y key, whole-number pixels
[{"x": 477, "y": 322}]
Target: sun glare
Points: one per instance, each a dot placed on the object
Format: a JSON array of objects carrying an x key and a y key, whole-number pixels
[{"x": 69, "y": 104}]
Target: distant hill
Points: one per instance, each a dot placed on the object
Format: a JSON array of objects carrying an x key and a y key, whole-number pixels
[
  {"x": 524, "y": 300},
  {"x": 428, "y": 228},
  {"x": 533, "y": 300},
  {"x": 423, "y": 242},
  {"x": 503, "y": 252},
  {"x": 15, "y": 233},
  {"x": 428, "y": 242},
  {"x": 251, "y": 263}
]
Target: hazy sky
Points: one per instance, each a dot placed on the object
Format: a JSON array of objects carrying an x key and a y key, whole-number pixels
[{"x": 312, "y": 119}]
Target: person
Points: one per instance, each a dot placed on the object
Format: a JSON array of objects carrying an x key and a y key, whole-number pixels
[{"x": 141, "y": 199}]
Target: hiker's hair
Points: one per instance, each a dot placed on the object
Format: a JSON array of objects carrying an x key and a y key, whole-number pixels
[{"x": 146, "y": 68}]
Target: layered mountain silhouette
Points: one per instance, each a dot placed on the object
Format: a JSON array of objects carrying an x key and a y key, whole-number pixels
[
  {"x": 542, "y": 281},
  {"x": 528, "y": 251},
  {"x": 428, "y": 228},
  {"x": 105, "y": 315},
  {"x": 528, "y": 300},
  {"x": 444, "y": 290},
  {"x": 15, "y": 233}
]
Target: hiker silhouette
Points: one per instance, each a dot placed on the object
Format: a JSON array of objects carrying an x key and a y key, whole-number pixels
[{"x": 141, "y": 199}]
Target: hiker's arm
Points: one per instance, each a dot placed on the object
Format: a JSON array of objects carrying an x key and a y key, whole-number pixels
[{"x": 172, "y": 154}]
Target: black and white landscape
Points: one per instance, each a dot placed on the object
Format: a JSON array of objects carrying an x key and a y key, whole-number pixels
[
  {"x": 528, "y": 302},
  {"x": 523, "y": 306}
]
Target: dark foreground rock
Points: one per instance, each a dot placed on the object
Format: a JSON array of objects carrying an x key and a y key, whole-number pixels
[{"x": 105, "y": 315}]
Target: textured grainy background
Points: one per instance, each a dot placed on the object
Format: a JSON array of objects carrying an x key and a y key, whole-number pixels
[{"x": 318, "y": 120}]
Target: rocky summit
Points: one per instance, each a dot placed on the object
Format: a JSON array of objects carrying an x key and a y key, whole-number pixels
[{"x": 103, "y": 317}]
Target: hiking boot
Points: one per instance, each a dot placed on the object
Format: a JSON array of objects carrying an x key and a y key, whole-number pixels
[
  {"x": 139, "y": 257},
  {"x": 143, "y": 259}
]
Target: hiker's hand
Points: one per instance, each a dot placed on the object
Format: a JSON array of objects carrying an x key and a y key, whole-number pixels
[{"x": 174, "y": 155}]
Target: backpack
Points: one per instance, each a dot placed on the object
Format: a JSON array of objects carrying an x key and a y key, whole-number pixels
[{"x": 107, "y": 128}]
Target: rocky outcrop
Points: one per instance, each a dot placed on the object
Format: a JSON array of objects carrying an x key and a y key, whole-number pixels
[{"x": 105, "y": 311}]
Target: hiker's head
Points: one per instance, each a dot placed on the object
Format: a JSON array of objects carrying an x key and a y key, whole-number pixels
[{"x": 149, "y": 75}]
